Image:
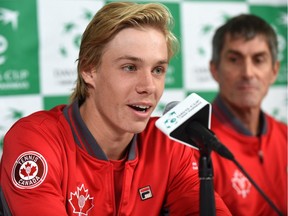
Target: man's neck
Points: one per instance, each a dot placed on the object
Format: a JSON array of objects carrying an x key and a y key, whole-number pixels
[
  {"x": 250, "y": 122},
  {"x": 113, "y": 144}
]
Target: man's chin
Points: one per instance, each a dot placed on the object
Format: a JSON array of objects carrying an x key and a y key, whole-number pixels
[{"x": 139, "y": 127}]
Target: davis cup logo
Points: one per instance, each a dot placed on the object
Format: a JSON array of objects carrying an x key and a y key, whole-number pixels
[
  {"x": 29, "y": 171},
  {"x": 171, "y": 120}
]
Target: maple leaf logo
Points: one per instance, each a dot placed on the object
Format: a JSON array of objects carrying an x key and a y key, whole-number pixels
[
  {"x": 81, "y": 201},
  {"x": 28, "y": 170},
  {"x": 241, "y": 184}
]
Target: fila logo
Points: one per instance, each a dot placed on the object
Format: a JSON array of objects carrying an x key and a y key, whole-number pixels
[
  {"x": 145, "y": 193},
  {"x": 194, "y": 166}
]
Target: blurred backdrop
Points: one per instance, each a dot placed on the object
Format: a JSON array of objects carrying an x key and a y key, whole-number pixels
[{"x": 39, "y": 42}]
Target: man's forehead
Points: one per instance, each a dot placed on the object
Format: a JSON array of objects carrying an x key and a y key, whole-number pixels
[{"x": 255, "y": 44}]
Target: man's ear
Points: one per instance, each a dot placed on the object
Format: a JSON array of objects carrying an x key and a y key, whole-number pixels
[
  {"x": 213, "y": 70},
  {"x": 275, "y": 72},
  {"x": 88, "y": 76}
]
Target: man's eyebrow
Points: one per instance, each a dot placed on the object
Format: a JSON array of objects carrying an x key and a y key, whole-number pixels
[
  {"x": 236, "y": 52},
  {"x": 127, "y": 57},
  {"x": 163, "y": 62},
  {"x": 136, "y": 59}
]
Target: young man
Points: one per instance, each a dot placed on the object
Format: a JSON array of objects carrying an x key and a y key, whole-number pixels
[
  {"x": 244, "y": 63},
  {"x": 102, "y": 154}
]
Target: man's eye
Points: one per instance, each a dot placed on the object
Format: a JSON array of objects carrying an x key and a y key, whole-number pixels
[
  {"x": 129, "y": 68},
  {"x": 232, "y": 59},
  {"x": 259, "y": 60},
  {"x": 159, "y": 70}
]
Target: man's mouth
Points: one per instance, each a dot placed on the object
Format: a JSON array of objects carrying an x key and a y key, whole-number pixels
[{"x": 140, "y": 108}]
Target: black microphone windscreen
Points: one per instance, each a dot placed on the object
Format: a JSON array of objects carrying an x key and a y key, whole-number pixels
[{"x": 169, "y": 106}]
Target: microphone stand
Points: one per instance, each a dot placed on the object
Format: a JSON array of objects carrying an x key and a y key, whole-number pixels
[{"x": 207, "y": 199}]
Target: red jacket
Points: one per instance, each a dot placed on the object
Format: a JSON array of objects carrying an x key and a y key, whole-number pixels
[
  {"x": 264, "y": 157},
  {"x": 52, "y": 165}
]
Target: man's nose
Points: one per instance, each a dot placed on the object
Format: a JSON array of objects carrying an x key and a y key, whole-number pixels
[
  {"x": 146, "y": 83},
  {"x": 248, "y": 68}
]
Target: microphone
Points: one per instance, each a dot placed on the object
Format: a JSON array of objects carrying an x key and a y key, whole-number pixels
[
  {"x": 190, "y": 121},
  {"x": 169, "y": 106}
]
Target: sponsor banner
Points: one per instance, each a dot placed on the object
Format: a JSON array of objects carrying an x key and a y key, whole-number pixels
[
  {"x": 208, "y": 95},
  {"x": 61, "y": 40},
  {"x": 52, "y": 101},
  {"x": 19, "y": 69},
  {"x": 268, "y": 2},
  {"x": 276, "y": 103},
  {"x": 174, "y": 76},
  {"x": 198, "y": 29},
  {"x": 277, "y": 17},
  {"x": 13, "y": 108}
]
